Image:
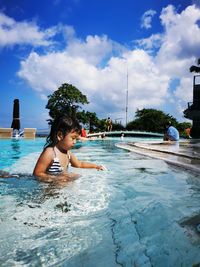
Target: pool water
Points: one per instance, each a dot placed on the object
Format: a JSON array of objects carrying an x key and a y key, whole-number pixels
[{"x": 133, "y": 214}]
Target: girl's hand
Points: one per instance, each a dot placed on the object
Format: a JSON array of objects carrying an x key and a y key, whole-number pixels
[{"x": 101, "y": 168}]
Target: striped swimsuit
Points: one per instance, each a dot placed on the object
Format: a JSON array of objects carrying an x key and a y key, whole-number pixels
[{"x": 55, "y": 167}]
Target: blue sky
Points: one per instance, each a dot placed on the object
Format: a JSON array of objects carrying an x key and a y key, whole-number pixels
[{"x": 91, "y": 44}]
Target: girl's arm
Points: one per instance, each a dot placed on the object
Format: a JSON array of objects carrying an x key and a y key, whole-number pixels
[
  {"x": 42, "y": 164},
  {"x": 40, "y": 170},
  {"x": 83, "y": 164}
]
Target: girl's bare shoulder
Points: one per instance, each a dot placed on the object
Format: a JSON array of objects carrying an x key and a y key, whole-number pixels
[{"x": 48, "y": 151}]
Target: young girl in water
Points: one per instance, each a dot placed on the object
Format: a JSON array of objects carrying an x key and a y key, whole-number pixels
[{"x": 53, "y": 162}]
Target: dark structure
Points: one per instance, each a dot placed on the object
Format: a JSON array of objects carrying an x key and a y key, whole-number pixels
[
  {"x": 193, "y": 110},
  {"x": 16, "y": 120}
]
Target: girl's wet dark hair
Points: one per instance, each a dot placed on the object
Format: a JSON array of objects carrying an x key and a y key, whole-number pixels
[{"x": 64, "y": 125}]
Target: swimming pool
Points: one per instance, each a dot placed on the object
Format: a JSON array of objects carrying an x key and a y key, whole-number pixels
[{"x": 137, "y": 213}]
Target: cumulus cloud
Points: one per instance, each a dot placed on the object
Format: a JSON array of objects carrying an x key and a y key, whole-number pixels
[
  {"x": 182, "y": 32},
  {"x": 94, "y": 49},
  {"x": 179, "y": 50},
  {"x": 184, "y": 91},
  {"x": 151, "y": 43},
  {"x": 98, "y": 67},
  {"x": 146, "y": 19},
  {"x": 105, "y": 85},
  {"x": 23, "y": 33}
]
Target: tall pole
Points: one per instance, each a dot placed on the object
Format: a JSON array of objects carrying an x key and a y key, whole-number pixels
[{"x": 127, "y": 98}]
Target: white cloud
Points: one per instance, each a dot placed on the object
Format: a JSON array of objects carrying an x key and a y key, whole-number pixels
[
  {"x": 179, "y": 49},
  {"x": 146, "y": 19},
  {"x": 98, "y": 67},
  {"x": 184, "y": 91},
  {"x": 23, "y": 33},
  {"x": 151, "y": 43},
  {"x": 182, "y": 36},
  {"x": 102, "y": 85},
  {"x": 94, "y": 49}
]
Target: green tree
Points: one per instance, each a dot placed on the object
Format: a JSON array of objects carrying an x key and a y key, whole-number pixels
[
  {"x": 151, "y": 120},
  {"x": 118, "y": 127},
  {"x": 182, "y": 126},
  {"x": 89, "y": 119},
  {"x": 66, "y": 100}
]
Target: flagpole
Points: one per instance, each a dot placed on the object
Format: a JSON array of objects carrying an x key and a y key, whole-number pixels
[{"x": 127, "y": 98}]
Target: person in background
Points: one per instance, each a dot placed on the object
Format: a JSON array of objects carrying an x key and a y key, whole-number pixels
[
  {"x": 83, "y": 133},
  {"x": 53, "y": 162},
  {"x": 187, "y": 131},
  {"x": 171, "y": 133},
  {"x": 109, "y": 124},
  {"x": 103, "y": 136}
]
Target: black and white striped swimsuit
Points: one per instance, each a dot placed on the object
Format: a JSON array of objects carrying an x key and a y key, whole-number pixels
[{"x": 55, "y": 167}]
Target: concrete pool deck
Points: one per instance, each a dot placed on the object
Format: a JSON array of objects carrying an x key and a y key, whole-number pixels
[{"x": 185, "y": 153}]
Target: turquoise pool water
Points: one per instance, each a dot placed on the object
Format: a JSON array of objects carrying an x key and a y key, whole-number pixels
[{"x": 140, "y": 212}]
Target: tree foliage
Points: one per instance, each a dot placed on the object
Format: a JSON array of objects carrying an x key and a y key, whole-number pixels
[
  {"x": 66, "y": 100},
  {"x": 182, "y": 126},
  {"x": 90, "y": 120},
  {"x": 118, "y": 127},
  {"x": 151, "y": 120}
]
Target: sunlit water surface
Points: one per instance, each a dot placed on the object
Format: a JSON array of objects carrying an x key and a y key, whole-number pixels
[{"x": 127, "y": 216}]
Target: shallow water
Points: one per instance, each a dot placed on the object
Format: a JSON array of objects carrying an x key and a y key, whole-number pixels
[{"x": 130, "y": 215}]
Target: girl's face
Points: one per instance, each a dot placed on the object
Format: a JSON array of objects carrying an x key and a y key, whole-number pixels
[{"x": 67, "y": 142}]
